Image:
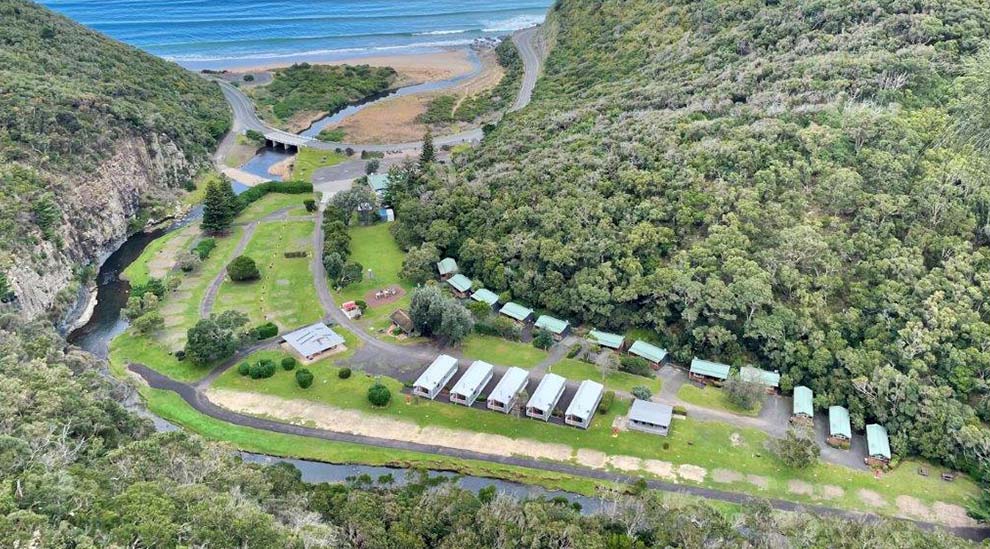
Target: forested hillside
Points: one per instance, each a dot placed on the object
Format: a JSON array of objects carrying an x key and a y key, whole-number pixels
[
  {"x": 798, "y": 184},
  {"x": 91, "y": 131}
]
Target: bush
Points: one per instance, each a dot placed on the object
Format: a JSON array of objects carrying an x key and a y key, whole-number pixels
[
  {"x": 244, "y": 368},
  {"x": 362, "y": 304},
  {"x": 636, "y": 365},
  {"x": 180, "y": 355},
  {"x": 507, "y": 329},
  {"x": 263, "y": 369},
  {"x": 243, "y": 269},
  {"x": 379, "y": 395},
  {"x": 680, "y": 410},
  {"x": 574, "y": 350},
  {"x": 743, "y": 394},
  {"x": 304, "y": 378},
  {"x": 543, "y": 340},
  {"x": 479, "y": 310},
  {"x": 265, "y": 331},
  {"x": 606, "y": 403},
  {"x": 372, "y": 166},
  {"x": 249, "y": 78},
  {"x": 642, "y": 392},
  {"x": 344, "y": 373},
  {"x": 204, "y": 247},
  {"x": 310, "y": 205},
  {"x": 284, "y": 187},
  {"x": 288, "y": 363}
]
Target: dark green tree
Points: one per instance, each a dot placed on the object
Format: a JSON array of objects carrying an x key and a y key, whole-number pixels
[
  {"x": 428, "y": 154},
  {"x": 243, "y": 269},
  {"x": 379, "y": 395},
  {"x": 304, "y": 378},
  {"x": 218, "y": 212}
]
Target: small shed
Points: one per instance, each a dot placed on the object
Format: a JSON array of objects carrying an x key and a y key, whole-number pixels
[
  {"x": 584, "y": 404},
  {"x": 447, "y": 268},
  {"x": 650, "y": 417},
  {"x": 474, "y": 380},
  {"x": 461, "y": 285},
  {"x": 605, "y": 339},
  {"x": 313, "y": 341},
  {"x": 803, "y": 408},
  {"x": 878, "y": 445},
  {"x": 485, "y": 296},
  {"x": 559, "y": 328},
  {"x": 505, "y": 394},
  {"x": 435, "y": 378},
  {"x": 378, "y": 183},
  {"x": 656, "y": 355},
  {"x": 706, "y": 371},
  {"x": 545, "y": 397},
  {"x": 839, "y": 429},
  {"x": 770, "y": 380},
  {"x": 401, "y": 319},
  {"x": 517, "y": 312}
]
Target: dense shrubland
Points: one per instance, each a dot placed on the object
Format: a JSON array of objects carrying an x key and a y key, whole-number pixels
[
  {"x": 802, "y": 185},
  {"x": 320, "y": 88}
]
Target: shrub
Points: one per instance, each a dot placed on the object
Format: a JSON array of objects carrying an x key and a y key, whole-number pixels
[
  {"x": 743, "y": 394},
  {"x": 574, "y": 350},
  {"x": 506, "y": 328},
  {"x": 288, "y": 363},
  {"x": 263, "y": 369},
  {"x": 180, "y": 355},
  {"x": 188, "y": 261},
  {"x": 255, "y": 135},
  {"x": 636, "y": 365},
  {"x": 265, "y": 331},
  {"x": 244, "y": 369},
  {"x": 243, "y": 269},
  {"x": 372, "y": 166},
  {"x": 543, "y": 340},
  {"x": 379, "y": 395},
  {"x": 479, "y": 310},
  {"x": 344, "y": 373},
  {"x": 362, "y": 304},
  {"x": 304, "y": 378},
  {"x": 606, "y": 403},
  {"x": 680, "y": 410},
  {"x": 249, "y": 78},
  {"x": 642, "y": 392},
  {"x": 310, "y": 205},
  {"x": 204, "y": 247}
]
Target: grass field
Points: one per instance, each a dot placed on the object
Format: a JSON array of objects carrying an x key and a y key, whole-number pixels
[
  {"x": 139, "y": 272},
  {"x": 272, "y": 203},
  {"x": 616, "y": 381},
  {"x": 309, "y": 160},
  {"x": 502, "y": 351},
  {"x": 712, "y": 397},
  {"x": 285, "y": 294},
  {"x": 129, "y": 347}
]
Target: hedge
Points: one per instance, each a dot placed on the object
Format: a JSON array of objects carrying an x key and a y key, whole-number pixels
[{"x": 255, "y": 193}]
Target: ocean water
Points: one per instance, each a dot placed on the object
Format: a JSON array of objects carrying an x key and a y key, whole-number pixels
[{"x": 239, "y": 33}]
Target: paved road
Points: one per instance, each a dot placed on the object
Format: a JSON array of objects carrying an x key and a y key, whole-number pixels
[{"x": 526, "y": 42}]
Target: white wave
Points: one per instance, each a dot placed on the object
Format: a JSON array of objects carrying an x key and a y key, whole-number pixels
[
  {"x": 513, "y": 24},
  {"x": 442, "y": 32},
  {"x": 193, "y": 58}
]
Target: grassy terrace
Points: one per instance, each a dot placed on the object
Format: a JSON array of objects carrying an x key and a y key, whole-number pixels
[
  {"x": 309, "y": 160},
  {"x": 272, "y": 203},
  {"x": 616, "y": 381},
  {"x": 712, "y": 397}
]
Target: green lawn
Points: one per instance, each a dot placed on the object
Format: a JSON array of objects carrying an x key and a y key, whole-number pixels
[
  {"x": 138, "y": 272},
  {"x": 502, "y": 351},
  {"x": 128, "y": 347},
  {"x": 616, "y": 381},
  {"x": 309, "y": 160},
  {"x": 712, "y": 397},
  {"x": 273, "y": 202},
  {"x": 285, "y": 294}
]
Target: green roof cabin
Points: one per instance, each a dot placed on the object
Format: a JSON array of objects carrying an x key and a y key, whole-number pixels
[
  {"x": 447, "y": 268},
  {"x": 803, "y": 406},
  {"x": 839, "y": 430},
  {"x": 517, "y": 312},
  {"x": 461, "y": 285},
  {"x": 877, "y": 444},
  {"x": 705, "y": 371},
  {"x": 770, "y": 380},
  {"x": 654, "y": 354},
  {"x": 605, "y": 339},
  {"x": 378, "y": 183},
  {"x": 559, "y": 328},
  {"x": 485, "y": 296}
]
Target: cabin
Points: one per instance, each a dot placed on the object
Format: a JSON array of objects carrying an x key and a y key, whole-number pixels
[
  {"x": 584, "y": 404},
  {"x": 506, "y": 393},
  {"x": 517, "y": 312},
  {"x": 557, "y": 328},
  {"x": 650, "y": 417},
  {"x": 435, "y": 378},
  {"x": 487, "y": 297},
  {"x": 460, "y": 284},
  {"x": 378, "y": 183},
  {"x": 401, "y": 320},
  {"x": 545, "y": 397},
  {"x": 706, "y": 372},
  {"x": 605, "y": 339},
  {"x": 803, "y": 408},
  {"x": 351, "y": 309},
  {"x": 878, "y": 446},
  {"x": 313, "y": 341},
  {"x": 656, "y": 356},
  {"x": 474, "y": 380},
  {"x": 770, "y": 380},
  {"x": 447, "y": 268},
  {"x": 839, "y": 429}
]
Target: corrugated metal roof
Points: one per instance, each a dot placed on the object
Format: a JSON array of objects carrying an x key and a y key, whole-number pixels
[
  {"x": 378, "y": 182},
  {"x": 485, "y": 296},
  {"x": 605, "y": 339},
  {"x": 648, "y": 351},
  {"x": 551, "y": 324},
  {"x": 585, "y": 400},
  {"x": 460, "y": 282},
  {"x": 475, "y": 375},
  {"x": 651, "y": 412},
  {"x": 838, "y": 421},
  {"x": 756, "y": 375},
  {"x": 877, "y": 441},
  {"x": 447, "y": 266},
  {"x": 710, "y": 369},
  {"x": 804, "y": 401},
  {"x": 313, "y": 339},
  {"x": 435, "y": 374},
  {"x": 547, "y": 392},
  {"x": 516, "y": 311},
  {"x": 509, "y": 386}
]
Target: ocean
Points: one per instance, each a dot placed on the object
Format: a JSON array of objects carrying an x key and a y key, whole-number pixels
[{"x": 219, "y": 34}]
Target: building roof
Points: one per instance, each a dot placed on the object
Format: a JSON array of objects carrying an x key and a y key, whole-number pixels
[
  {"x": 546, "y": 392},
  {"x": 651, "y": 412},
  {"x": 605, "y": 339},
  {"x": 485, "y": 296},
  {"x": 475, "y": 376},
  {"x": 803, "y": 401},
  {"x": 460, "y": 282},
  {"x": 551, "y": 324},
  {"x": 838, "y": 421},
  {"x": 509, "y": 386},
  {"x": 378, "y": 182},
  {"x": 756, "y": 375},
  {"x": 709, "y": 369},
  {"x": 313, "y": 339},
  {"x": 648, "y": 351},
  {"x": 516, "y": 311},
  {"x": 447, "y": 266},
  {"x": 877, "y": 441},
  {"x": 435, "y": 374},
  {"x": 402, "y": 319},
  {"x": 585, "y": 399}
]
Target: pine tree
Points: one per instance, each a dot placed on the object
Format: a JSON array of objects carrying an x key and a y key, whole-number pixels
[
  {"x": 230, "y": 198},
  {"x": 429, "y": 154},
  {"x": 219, "y": 207}
]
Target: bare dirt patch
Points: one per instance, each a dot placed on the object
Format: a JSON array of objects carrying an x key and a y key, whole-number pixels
[
  {"x": 283, "y": 168},
  {"x": 872, "y": 498},
  {"x": 952, "y": 515},
  {"x": 760, "y": 482},
  {"x": 625, "y": 463},
  {"x": 591, "y": 458},
  {"x": 912, "y": 507},
  {"x": 800, "y": 488},
  {"x": 663, "y": 469},
  {"x": 726, "y": 476},
  {"x": 376, "y": 298},
  {"x": 692, "y": 472},
  {"x": 830, "y": 491}
]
